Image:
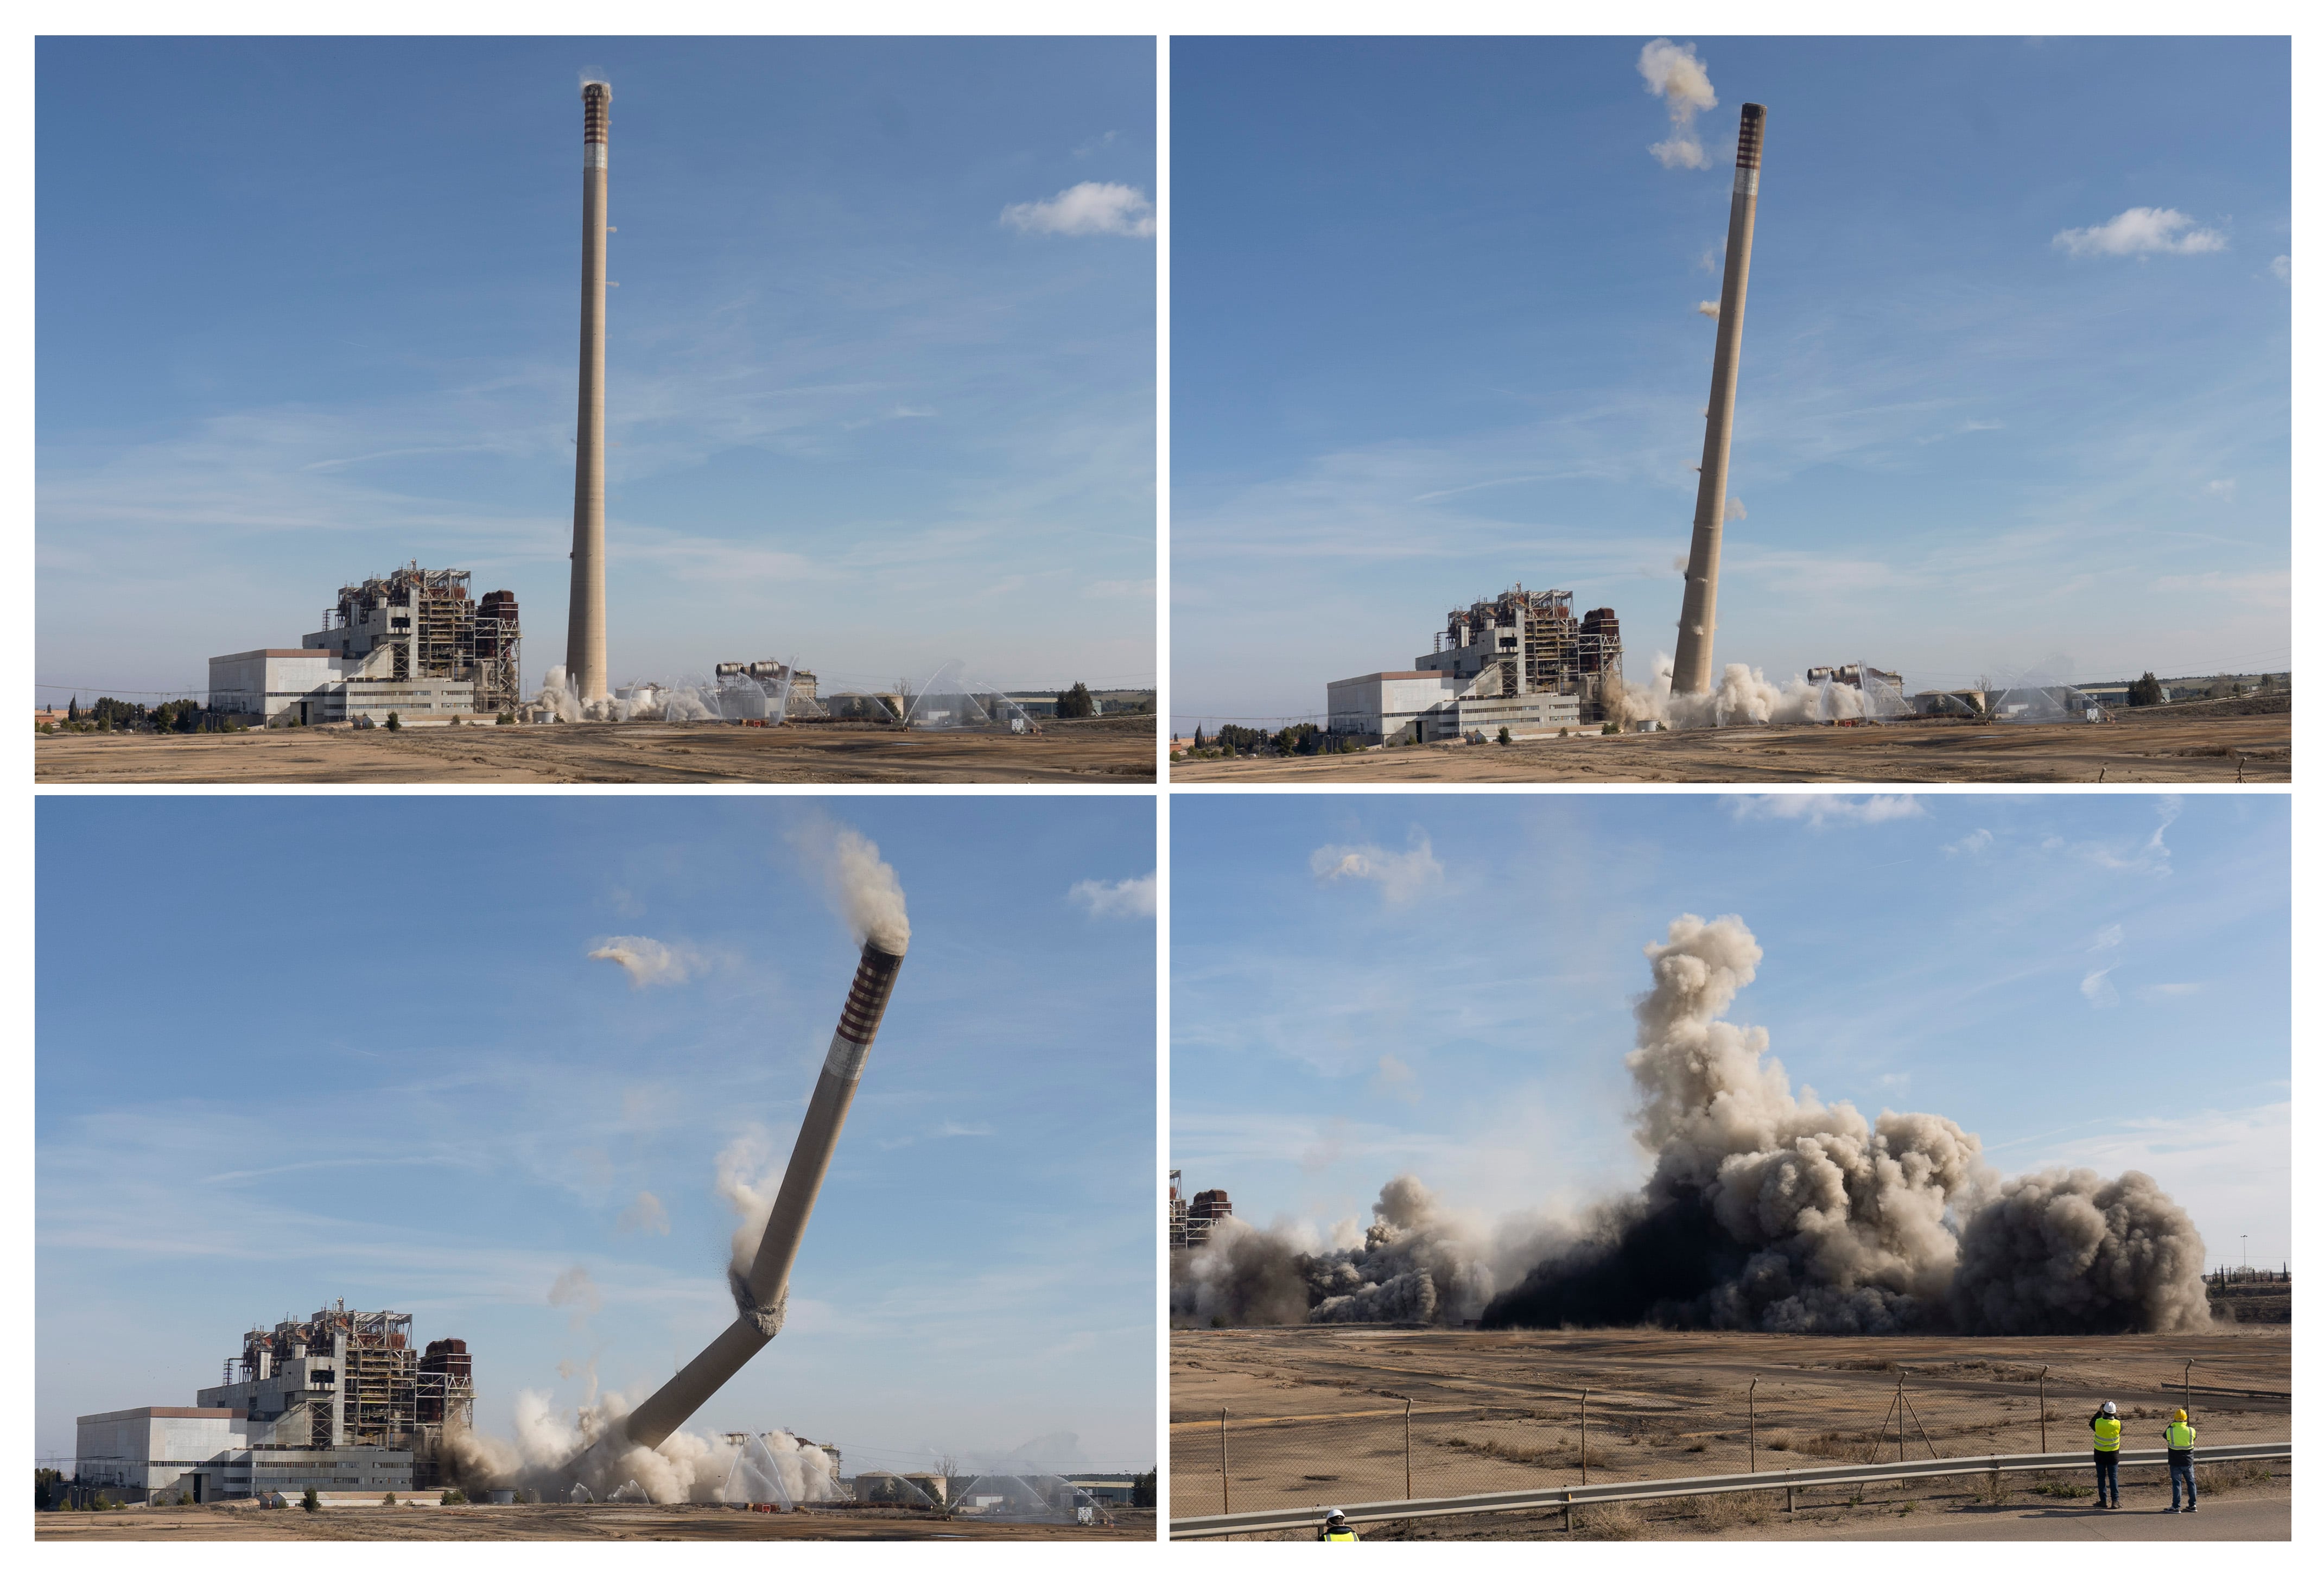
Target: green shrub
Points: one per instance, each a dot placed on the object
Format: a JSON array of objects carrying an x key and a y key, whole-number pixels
[
  {"x": 453, "y": 1497},
  {"x": 394, "y": 722},
  {"x": 311, "y": 1503}
]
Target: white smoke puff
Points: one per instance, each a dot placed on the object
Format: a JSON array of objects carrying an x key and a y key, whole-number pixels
[
  {"x": 551, "y": 1452},
  {"x": 1735, "y": 510},
  {"x": 1709, "y": 308},
  {"x": 646, "y": 962},
  {"x": 2069, "y": 1252},
  {"x": 1745, "y": 697},
  {"x": 865, "y": 890},
  {"x": 748, "y": 1181},
  {"x": 1676, "y": 76}
]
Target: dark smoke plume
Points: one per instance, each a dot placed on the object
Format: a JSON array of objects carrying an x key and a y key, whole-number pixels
[{"x": 1765, "y": 1210}]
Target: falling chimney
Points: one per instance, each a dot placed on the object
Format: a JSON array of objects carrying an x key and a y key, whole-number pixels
[
  {"x": 585, "y": 639},
  {"x": 1699, "y": 613},
  {"x": 760, "y": 1295}
]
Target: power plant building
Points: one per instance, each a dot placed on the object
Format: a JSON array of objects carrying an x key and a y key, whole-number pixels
[
  {"x": 1521, "y": 660},
  {"x": 340, "y": 1402},
  {"x": 412, "y": 643}
]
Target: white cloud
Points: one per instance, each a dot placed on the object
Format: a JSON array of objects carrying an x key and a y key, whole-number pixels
[
  {"x": 2153, "y": 855},
  {"x": 646, "y": 962},
  {"x": 1735, "y": 508},
  {"x": 1819, "y": 808},
  {"x": 1395, "y": 1080},
  {"x": 1976, "y": 844},
  {"x": 1709, "y": 308},
  {"x": 2224, "y": 490},
  {"x": 646, "y": 1215},
  {"x": 2138, "y": 230},
  {"x": 1401, "y": 875},
  {"x": 2282, "y": 269},
  {"x": 2152, "y": 994},
  {"x": 2108, "y": 938},
  {"x": 2098, "y": 990},
  {"x": 1674, "y": 75},
  {"x": 1094, "y": 208},
  {"x": 1129, "y": 899}
]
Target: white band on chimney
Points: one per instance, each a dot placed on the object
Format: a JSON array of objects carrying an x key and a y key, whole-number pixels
[
  {"x": 593, "y": 155},
  {"x": 847, "y": 1058},
  {"x": 1747, "y": 183}
]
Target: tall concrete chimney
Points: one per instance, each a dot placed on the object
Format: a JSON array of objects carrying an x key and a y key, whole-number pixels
[
  {"x": 1699, "y": 613},
  {"x": 584, "y": 637},
  {"x": 760, "y": 1297}
]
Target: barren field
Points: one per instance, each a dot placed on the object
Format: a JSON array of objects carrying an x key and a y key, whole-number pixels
[
  {"x": 1101, "y": 751},
  {"x": 1315, "y": 1416},
  {"x": 2208, "y": 740},
  {"x": 559, "y": 1522}
]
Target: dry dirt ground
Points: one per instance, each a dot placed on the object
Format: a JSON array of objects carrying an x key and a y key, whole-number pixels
[
  {"x": 1314, "y": 1416},
  {"x": 558, "y": 1522},
  {"x": 1105, "y": 751},
  {"x": 2208, "y": 740}
]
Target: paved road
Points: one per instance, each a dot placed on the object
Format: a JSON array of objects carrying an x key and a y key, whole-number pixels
[{"x": 2231, "y": 1519}]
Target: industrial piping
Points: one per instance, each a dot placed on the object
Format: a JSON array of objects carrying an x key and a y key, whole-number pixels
[
  {"x": 584, "y": 637},
  {"x": 1699, "y": 613},
  {"x": 760, "y": 1297}
]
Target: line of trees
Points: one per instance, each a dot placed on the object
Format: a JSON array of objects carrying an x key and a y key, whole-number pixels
[{"x": 108, "y": 714}]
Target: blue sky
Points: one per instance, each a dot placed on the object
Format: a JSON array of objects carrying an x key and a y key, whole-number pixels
[
  {"x": 2079, "y": 979},
  {"x": 309, "y": 309},
  {"x": 1435, "y": 330},
  {"x": 270, "y": 1079}
]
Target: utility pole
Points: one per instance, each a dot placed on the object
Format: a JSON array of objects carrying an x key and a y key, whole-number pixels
[{"x": 1226, "y": 1486}]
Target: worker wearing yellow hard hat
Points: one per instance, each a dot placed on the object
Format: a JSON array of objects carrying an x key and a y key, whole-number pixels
[{"x": 2179, "y": 1436}]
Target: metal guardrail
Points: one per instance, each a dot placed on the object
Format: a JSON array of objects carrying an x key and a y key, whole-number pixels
[{"x": 1571, "y": 1497}]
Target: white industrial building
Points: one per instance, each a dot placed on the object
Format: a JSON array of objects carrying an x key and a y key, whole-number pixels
[
  {"x": 410, "y": 644},
  {"x": 341, "y": 1402},
  {"x": 1426, "y": 707},
  {"x": 1521, "y": 662}
]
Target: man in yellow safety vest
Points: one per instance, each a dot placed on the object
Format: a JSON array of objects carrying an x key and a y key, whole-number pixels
[
  {"x": 2106, "y": 1450},
  {"x": 2179, "y": 1436},
  {"x": 1336, "y": 1527}
]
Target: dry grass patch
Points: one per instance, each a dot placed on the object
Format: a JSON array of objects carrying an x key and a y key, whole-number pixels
[
  {"x": 2234, "y": 1476},
  {"x": 1610, "y": 1521}
]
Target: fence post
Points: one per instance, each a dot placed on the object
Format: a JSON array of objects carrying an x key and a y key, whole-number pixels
[
  {"x": 1751, "y": 1399},
  {"x": 1226, "y": 1484},
  {"x": 1791, "y": 1500},
  {"x": 2187, "y": 1390},
  {"x": 2044, "y": 1404},
  {"x": 1900, "y": 1418},
  {"x": 1407, "y": 1449},
  {"x": 1585, "y": 1437}
]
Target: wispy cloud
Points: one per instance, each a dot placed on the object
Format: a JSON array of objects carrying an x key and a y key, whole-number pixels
[
  {"x": 1819, "y": 809},
  {"x": 1400, "y": 876},
  {"x": 2138, "y": 232},
  {"x": 646, "y": 1216},
  {"x": 1092, "y": 207},
  {"x": 1976, "y": 844},
  {"x": 1122, "y": 899}
]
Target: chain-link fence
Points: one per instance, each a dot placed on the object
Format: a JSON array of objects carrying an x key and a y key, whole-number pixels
[{"x": 1227, "y": 1463}]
